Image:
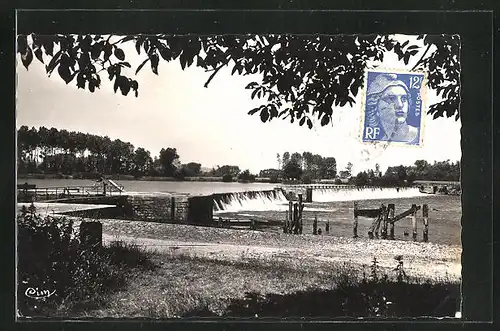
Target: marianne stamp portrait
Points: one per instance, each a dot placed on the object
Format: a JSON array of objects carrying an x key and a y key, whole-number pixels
[{"x": 393, "y": 107}]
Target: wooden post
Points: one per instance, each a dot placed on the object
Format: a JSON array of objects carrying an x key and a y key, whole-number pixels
[
  {"x": 285, "y": 221},
  {"x": 91, "y": 235},
  {"x": 414, "y": 222},
  {"x": 172, "y": 209},
  {"x": 383, "y": 212},
  {"x": 299, "y": 220},
  {"x": 355, "y": 222},
  {"x": 425, "y": 214},
  {"x": 390, "y": 207},
  {"x": 391, "y": 215},
  {"x": 315, "y": 225},
  {"x": 374, "y": 224},
  {"x": 327, "y": 227},
  {"x": 295, "y": 225},
  {"x": 290, "y": 217},
  {"x": 309, "y": 193}
]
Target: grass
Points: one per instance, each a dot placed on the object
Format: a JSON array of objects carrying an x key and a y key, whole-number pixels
[
  {"x": 376, "y": 296},
  {"x": 124, "y": 280},
  {"x": 50, "y": 257},
  {"x": 186, "y": 285}
]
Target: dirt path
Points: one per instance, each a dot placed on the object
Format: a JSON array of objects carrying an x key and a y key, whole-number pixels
[
  {"x": 420, "y": 264},
  {"x": 425, "y": 260}
]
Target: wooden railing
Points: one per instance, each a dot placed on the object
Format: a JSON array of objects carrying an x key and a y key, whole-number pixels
[{"x": 28, "y": 192}]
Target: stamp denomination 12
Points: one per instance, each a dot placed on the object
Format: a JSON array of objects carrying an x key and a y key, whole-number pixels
[{"x": 393, "y": 107}]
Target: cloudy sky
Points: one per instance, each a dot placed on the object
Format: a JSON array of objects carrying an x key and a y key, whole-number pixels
[{"x": 211, "y": 125}]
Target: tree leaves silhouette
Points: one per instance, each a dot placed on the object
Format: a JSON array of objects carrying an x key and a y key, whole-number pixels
[{"x": 302, "y": 77}]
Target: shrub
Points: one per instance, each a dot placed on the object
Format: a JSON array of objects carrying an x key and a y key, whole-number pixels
[
  {"x": 227, "y": 178},
  {"x": 306, "y": 179},
  {"x": 246, "y": 176},
  {"x": 273, "y": 179},
  {"x": 50, "y": 258},
  {"x": 373, "y": 297}
]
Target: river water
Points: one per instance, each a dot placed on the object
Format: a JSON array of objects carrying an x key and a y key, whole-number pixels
[
  {"x": 135, "y": 186},
  {"x": 334, "y": 206}
]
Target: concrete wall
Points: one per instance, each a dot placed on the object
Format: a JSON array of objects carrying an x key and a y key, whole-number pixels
[{"x": 158, "y": 208}]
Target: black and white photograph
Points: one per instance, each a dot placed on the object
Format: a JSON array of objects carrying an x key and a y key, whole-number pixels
[{"x": 176, "y": 176}]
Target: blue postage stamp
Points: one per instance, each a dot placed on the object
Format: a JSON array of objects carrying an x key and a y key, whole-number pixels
[{"x": 393, "y": 107}]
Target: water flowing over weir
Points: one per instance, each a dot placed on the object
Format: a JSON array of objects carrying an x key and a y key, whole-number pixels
[
  {"x": 366, "y": 193},
  {"x": 276, "y": 200},
  {"x": 250, "y": 201}
]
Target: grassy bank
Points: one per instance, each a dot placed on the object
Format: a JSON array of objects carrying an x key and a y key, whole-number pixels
[
  {"x": 189, "y": 286},
  {"x": 58, "y": 276},
  {"x": 191, "y": 278}
]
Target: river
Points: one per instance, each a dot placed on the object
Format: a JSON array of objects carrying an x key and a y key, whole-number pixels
[{"x": 134, "y": 186}]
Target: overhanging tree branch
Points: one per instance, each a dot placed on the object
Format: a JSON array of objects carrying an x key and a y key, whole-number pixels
[
  {"x": 216, "y": 70},
  {"x": 422, "y": 57}
]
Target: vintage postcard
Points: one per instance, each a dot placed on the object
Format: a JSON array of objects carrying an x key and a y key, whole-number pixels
[{"x": 275, "y": 175}]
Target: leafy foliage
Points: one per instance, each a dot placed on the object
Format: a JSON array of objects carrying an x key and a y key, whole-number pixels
[
  {"x": 246, "y": 176},
  {"x": 302, "y": 77},
  {"x": 374, "y": 296},
  {"x": 167, "y": 158},
  {"x": 406, "y": 175},
  {"x": 231, "y": 170},
  {"x": 85, "y": 155},
  {"x": 443, "y": 66},
  {"x": 50, "y": 258},
  {"x": 313, "y": 166},
  {"x": 292, "y": 170}
]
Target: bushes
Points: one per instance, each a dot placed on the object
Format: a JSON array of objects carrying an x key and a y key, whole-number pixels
[
  {"x": 227, "y": 178},
  {"x": 376, "y": 295},
  {"x": 87, "y": 175},
  {"x": 246, "y": 177},
  {"x": 50, "y": 259},
  {"x": 274, "y": 179},
  {"x": 306, "y": 179}
]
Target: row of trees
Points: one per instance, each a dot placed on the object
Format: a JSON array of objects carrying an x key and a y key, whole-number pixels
[
  {"x": 69, "y": 152},
  {"x": 54, "y": 151},
  {"x": 61, "y": 151},
  {"x": 407, "y": 175},
  {"x": 306, "y": 167}
]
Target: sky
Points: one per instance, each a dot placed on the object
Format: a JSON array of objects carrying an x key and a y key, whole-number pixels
[{"x": 211, "y": 125}]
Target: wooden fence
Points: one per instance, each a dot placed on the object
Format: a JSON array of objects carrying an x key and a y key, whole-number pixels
[
  {"x": 384, "y": 218},
  {"x": 31, "y": 193}
]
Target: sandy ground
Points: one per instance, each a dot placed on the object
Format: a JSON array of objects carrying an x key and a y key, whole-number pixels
[{"x": 424, "y": 260}]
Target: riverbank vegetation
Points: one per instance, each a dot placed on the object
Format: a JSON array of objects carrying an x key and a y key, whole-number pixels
[
  {"x": 53, "y": 153},
  {"x": 57, "y": 275},
  {"x": 123, "y": 279},
  {"x": 190, "y": 286}
]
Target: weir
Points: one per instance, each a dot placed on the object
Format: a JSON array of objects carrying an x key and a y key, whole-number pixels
[
  {"x": 250, "y": 200},
  {"x": 277, "y": 199},
  {"x": 354, "y": 193}
]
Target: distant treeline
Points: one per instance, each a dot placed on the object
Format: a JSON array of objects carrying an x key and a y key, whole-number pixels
[
  {"x": 407, "y": 175},
  {"x": 46, "y": 153},
  {"x": 53, "y": 152},
  {"x": 307, "y": 168},
  {"x": 83, "y": 155}
]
